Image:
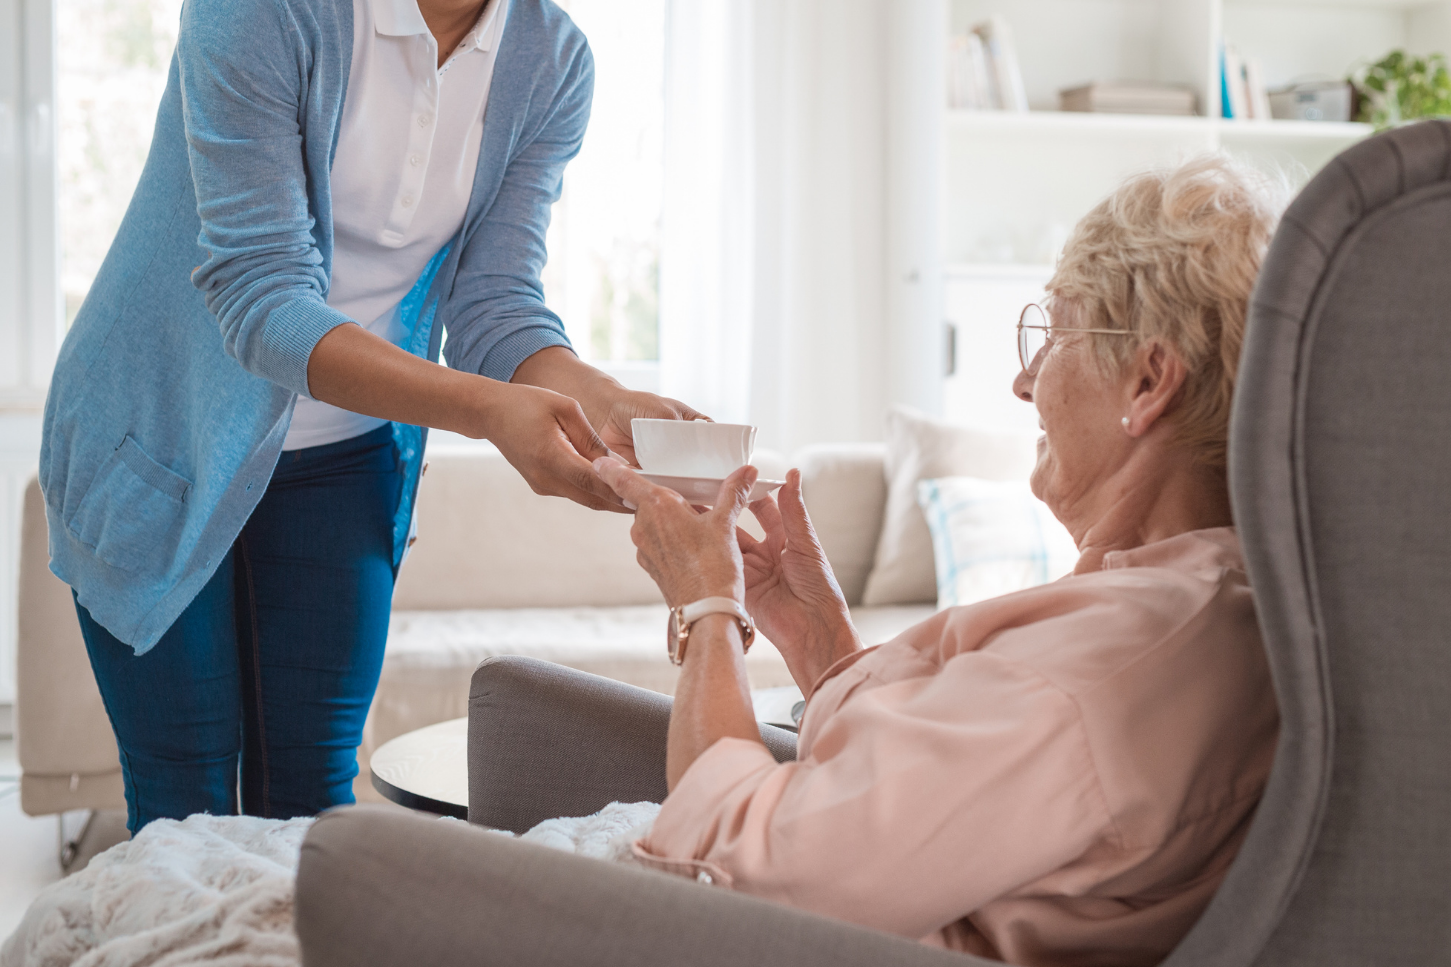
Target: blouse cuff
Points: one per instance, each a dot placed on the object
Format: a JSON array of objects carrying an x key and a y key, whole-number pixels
[{"x": 684, "y": 831}]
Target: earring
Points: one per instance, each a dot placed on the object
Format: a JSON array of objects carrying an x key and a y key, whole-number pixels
[{"x": 1125, "y": 422}]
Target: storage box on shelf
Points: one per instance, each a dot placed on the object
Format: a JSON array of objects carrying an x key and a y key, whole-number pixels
[{"x": 1014, "y": 184}]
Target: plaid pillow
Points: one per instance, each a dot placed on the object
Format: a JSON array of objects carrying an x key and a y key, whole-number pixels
[{"x": 991, "y": 537}]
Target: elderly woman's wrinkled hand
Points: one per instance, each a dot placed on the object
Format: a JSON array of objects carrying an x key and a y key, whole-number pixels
[
  {"x": 790, "y": 590},
  {"x": 690, "y": 553}
]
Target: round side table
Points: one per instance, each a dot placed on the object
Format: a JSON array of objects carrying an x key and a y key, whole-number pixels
[{"x": 426, "y": 769}]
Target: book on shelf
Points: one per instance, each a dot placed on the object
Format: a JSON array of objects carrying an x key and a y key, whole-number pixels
[
  {"x": 1238, "y": 104},
  {"x": 1256, "y": 94},
  {"x": 968, "y": 87},
  {"x": 982, "y": 69},
  {"x": 1128, "y": 97},
  {"x": 1243, "y": 95}
]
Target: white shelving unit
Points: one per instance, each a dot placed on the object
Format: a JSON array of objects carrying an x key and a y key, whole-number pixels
[{"x": 1010, "y": 186}]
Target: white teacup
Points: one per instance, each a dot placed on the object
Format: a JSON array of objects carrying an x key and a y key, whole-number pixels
[{"x": 692, "y": 448}]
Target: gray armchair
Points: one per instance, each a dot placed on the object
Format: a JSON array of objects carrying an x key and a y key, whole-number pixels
[{"x": 1341, "y": 479}]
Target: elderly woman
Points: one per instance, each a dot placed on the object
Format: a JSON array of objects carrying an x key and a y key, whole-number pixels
[{"x": 1059, "y": 775}]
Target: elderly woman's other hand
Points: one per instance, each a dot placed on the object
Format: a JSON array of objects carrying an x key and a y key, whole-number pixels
[
  {"x": 690, "y": 553},
  {"x": 790, "y": 590}
]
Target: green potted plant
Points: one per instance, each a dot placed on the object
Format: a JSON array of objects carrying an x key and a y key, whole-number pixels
[{"x": 1400, "y": 88}]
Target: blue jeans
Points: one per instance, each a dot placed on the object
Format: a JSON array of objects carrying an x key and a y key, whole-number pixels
[{"x": 262, "y": 685}]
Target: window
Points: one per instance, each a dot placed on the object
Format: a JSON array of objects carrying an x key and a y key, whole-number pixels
[
  {"x": 604, "y": 239},
  {"x": 112, "y": 59}
]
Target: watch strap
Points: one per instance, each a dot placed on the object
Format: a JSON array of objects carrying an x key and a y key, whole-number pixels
[{"x": 683, "y": 617}]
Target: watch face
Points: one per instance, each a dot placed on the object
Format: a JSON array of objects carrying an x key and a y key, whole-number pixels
[{"x": 672, "y": 639}]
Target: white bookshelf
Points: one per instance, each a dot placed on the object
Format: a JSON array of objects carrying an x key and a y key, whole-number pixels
[{"x": 1010, "y": 186}]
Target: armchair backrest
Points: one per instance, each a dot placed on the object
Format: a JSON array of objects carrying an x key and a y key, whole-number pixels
[
  {"x": 1340, "y": 472},
  {"x": 68, "y": 756}
]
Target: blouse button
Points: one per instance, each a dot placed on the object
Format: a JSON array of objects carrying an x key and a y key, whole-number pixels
[
  {"x": 416, "y": 160},
  {"x": 407, "y": 201},
  {"x": 423, "y": 120}
]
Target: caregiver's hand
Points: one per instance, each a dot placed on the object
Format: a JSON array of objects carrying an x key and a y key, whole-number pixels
[
  {"x": 609, "y": 406},
  {"x": 615, "y": 428},
  {"x": 546, "y": 437},
  {"x": 691, "y": 554},
  {"x": 790, "y": 590}
]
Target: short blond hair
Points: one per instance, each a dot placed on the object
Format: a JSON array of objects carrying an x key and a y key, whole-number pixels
[{"x": 1172, "y": 255}]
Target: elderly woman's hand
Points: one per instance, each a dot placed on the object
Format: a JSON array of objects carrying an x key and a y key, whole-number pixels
[
  {"x": 790, "y": 590},
  {"x": 691, "y": 554}
]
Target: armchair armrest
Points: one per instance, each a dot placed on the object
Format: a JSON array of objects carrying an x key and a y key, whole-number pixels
[
  {"x": 548, "y": 741},
  {"x": 380, "y": 887}
]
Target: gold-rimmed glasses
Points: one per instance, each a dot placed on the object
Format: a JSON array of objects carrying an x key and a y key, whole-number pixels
[{"x": 1035, "y": 332}]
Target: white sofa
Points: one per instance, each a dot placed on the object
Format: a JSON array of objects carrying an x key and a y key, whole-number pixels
[{"x": 496, "y": 570}]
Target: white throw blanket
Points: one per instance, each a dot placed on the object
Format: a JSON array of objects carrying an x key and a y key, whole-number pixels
[{"x": 217, "y": 891}]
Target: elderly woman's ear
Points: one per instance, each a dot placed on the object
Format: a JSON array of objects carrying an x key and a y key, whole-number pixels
[{"x": 1153, "y": 380}]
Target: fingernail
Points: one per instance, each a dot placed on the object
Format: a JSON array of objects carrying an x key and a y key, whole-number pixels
[{"x": 599, "y": 463}]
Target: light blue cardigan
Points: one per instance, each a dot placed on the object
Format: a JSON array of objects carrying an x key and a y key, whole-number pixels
[{"x": 175, "y": 386}]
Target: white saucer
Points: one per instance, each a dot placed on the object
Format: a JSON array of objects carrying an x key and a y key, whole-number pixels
[{"x": 703, "y": 490}]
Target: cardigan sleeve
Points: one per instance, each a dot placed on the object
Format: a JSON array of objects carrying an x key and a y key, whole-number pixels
[
  {"x": 496, "y": 317},
  {"x": 243, "y": 66}
]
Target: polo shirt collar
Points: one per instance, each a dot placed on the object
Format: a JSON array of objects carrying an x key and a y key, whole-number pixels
[
  {"x": 398, "y": 18},
  {"x": 401, "y": 18}
]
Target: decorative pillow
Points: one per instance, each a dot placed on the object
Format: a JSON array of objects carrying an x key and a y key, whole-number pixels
[
  {"x": 991, "y": 537},
  {"x": 918, "y": 448}
]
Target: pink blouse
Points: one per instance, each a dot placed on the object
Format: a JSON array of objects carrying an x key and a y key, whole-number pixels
[{"x": 1059, "y": 775}]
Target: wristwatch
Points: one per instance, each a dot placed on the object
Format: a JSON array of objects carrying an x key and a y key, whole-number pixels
[{"x": 683, "y": 617}]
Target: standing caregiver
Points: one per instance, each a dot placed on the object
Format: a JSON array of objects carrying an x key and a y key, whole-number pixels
[{"x": 233, "y": 434}]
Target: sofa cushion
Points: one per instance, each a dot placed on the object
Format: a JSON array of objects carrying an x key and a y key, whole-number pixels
[
  {"x": 432, "y": 655},
  {"x": 486, "y": 540},
  {"x": 919, "y": 447},
  {"x": 845, "y": 492}
]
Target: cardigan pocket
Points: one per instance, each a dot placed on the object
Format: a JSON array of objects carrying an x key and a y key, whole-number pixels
[{"x": 132, "y": 510}]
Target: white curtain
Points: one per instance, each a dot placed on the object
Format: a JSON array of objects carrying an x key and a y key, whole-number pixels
[
  {"x": 705, "y": 254},
  {"x": 773, "y": 265}
]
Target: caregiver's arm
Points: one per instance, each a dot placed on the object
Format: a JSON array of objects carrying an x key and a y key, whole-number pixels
[
  {"x": 693, "y": 555},
  {"x": 543, "y": 434}
]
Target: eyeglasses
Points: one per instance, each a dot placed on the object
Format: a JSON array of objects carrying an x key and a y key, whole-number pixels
[{"x": 1035, "y": 332}]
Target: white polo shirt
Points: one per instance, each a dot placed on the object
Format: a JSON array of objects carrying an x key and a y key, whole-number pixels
[{"x": 408, "y": 146}]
